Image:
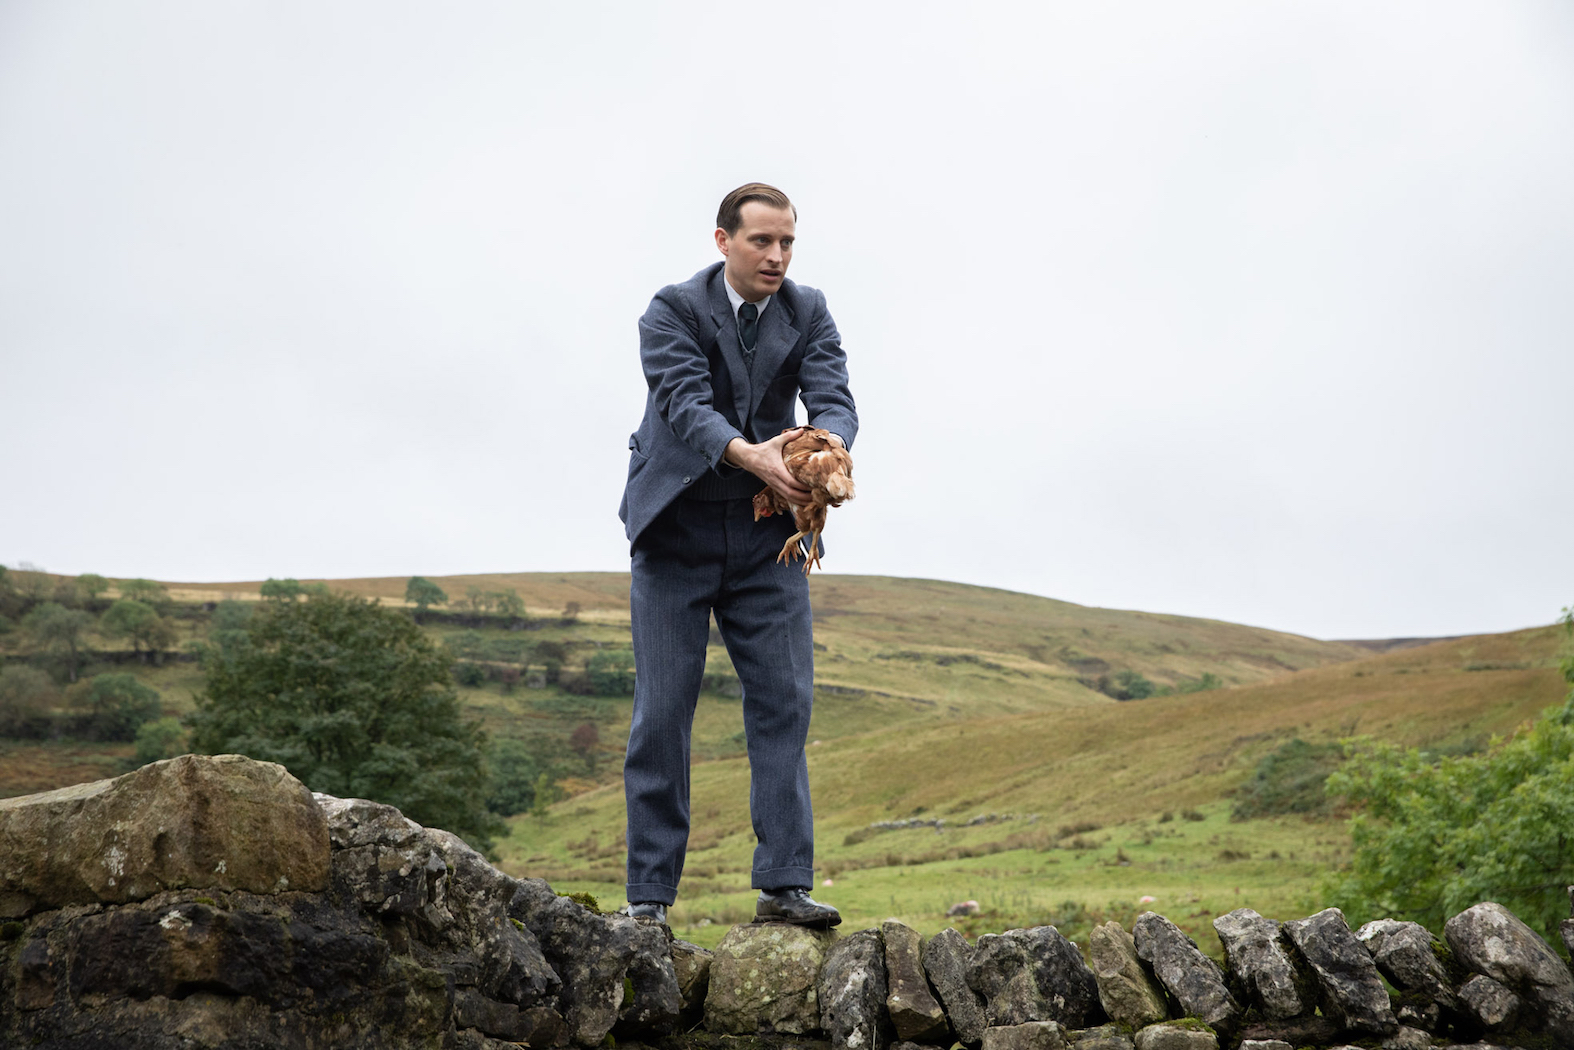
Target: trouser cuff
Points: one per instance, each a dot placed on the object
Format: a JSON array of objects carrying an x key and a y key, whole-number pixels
[
  {"x": 651, "y": 891},
  {"x": 777, "y": 878}
]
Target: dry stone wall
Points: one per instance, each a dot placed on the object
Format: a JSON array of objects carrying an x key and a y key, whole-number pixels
[{"x": 214, "y": 902}]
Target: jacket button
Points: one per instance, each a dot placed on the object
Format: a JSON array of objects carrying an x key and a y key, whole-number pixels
[{"x": 685, "y": 481}]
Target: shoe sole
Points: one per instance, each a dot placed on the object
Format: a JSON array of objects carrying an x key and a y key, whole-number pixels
[{"x": 812, "y": 924}]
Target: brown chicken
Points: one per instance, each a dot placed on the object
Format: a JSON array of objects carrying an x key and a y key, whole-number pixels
[{"x": 826, "y": 470}]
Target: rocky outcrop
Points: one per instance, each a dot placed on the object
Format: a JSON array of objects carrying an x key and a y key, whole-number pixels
[{"x": 222, "y": 822}]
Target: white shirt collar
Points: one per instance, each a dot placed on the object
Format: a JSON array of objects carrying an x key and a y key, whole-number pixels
[{"x": 737, "y": 300}]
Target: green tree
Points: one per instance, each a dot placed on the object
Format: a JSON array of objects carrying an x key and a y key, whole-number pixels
[
  {"x": 423, "y": 593},
  {"x": 227, "y": 627},
  {"x": 159, "y": 739},
  {"x": 145, "y": 591},
  {"x": 90, "y": 585},
  {"x": 139, "y": 622},
  {"x": 355, "y": 701},
  {"x": 118, "y": 704},
  {"x": 515, "y": 769},
  {"x": 1432, "y": 837},
  {"x": 611, "y": 672},
  {"x": 26, "y": 694},
  {"x": 509, "y": 603},
  {"x": 281, "y": 590},
  {"x": 59, "y": 630}
]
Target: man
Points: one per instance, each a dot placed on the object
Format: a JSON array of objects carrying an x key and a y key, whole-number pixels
[{"x": 726, "y": 354}]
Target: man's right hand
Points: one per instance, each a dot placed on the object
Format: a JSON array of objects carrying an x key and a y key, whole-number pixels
[{"x": 764, "y": 461}]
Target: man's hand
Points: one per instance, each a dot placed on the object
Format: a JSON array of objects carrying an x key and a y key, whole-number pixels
[{"x": 764, "y": 461}]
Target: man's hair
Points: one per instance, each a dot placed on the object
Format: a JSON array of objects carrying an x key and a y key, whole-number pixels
[{"x": 730, "y": 215}]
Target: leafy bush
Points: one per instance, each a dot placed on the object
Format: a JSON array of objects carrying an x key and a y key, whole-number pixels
[
  {"x": 470, "y": 674},
  {"x": 516, "y": 768},
  {"x": 1436, "y": 836},
  {"x": 610, "y": 672},
  {"x": 26, "y": 694},
  {"x": 116, "y": 704},
  {"x": 1289, "y": 779},
  {"x": 355, "y": 701},
  {"x": 159, "y": 739}
]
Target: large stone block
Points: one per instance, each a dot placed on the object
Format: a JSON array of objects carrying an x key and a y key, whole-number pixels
[
  {"x": 1258, "y": 955},
  {"x": 1129, "y": 995},
  {"x": 1033, "y": 975},
  {"x": 853, "y": 992},
  {"x": 1030, "y": 1035},
  {"x": 1352, "y": 992},
  {"x": 201, "y": 821},
  {"x": 765, "y": 978},
  {"x": 1191, "y": 977},
  {"x": 1175, "y": 1037},
  {"x": 946, "y": 958},
  {"x": 915, "y": 1013},
  {"x": 1489, "y": 939},
  {"x": 1404, "y": 954}
]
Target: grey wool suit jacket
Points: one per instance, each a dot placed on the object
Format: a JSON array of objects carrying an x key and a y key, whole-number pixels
[{"x": 702, "y": 394}]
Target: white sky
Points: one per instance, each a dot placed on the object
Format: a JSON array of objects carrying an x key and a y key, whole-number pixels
[{"x": 1253, "y": 311}]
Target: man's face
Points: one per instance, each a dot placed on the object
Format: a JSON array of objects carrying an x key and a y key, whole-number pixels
[{"x": 758, "y": 254}]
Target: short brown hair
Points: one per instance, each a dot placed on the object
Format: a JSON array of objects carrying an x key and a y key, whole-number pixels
[{"x": 730, "y": 215}]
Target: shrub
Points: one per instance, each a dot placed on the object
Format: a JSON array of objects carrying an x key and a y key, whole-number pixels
[
  {"x": 469, "y": 674},
  {"x": 26, "y": 694},
  {"x": 1289, "y": 779},
  {"x": 117, "y": 704},
  {"x": 160, "y": 739},
  {"x": 611, "y": 672}
]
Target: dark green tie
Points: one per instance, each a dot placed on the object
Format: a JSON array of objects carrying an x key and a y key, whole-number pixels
[{"x": 748, "y": 326}]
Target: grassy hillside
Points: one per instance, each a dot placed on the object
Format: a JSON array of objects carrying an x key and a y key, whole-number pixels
[
  {"x": 1079, "y": 795},
  {"x": 940, "y": 702}
]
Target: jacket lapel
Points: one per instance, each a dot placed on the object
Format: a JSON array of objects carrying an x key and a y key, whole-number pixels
[
  {"x": 731, "y": 351},
  {"x": 776, "y": 339}
]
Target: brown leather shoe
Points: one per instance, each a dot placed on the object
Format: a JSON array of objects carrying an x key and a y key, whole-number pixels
[{"x": 793, "y": 904}]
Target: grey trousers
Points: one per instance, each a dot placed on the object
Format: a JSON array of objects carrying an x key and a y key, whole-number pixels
[{"x": 696, "y": 557}]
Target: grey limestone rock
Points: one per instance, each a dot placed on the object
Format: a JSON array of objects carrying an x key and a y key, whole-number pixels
[
  {"x": 593, "y": 956},
  {"x": 1257, "y": 954},
  {"x": 1264, "y": 1044},
  {"x": 201, "y": 821},
  {"x": 1126, "y": 991},
  {"x": 1425, "y": 1016},
  {"x": 915, "y": 1013},
  {"x": 1170, "y": 1036},
  {"x": 852, "y": 991},
  {"x": 1488, "y": 939},
  {"x": 1033, "y": 975},
  {"x": 1352, "y": 992},
  {"x": 1407, "y": 1038},
  {"x": 946, "y": 958},
  {"x": 1029, "y": 1035},
  {"x": 1404, "y": 954},
  {"x": 691, "y": 966},
  {"x": 1104, "y": 1037},
  {"x": 1191, "y": 977},
  {"x": 1492, "y": 1005},
  {"x": 765, "y": 978}
]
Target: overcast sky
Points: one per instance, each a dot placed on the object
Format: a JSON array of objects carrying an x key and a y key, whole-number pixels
[{"x": 1259, "y": 312}]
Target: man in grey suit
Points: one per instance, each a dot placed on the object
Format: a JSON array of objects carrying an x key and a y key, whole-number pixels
[{"x": 726, "y": 355}]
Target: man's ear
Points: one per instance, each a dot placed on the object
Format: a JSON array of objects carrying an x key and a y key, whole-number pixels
[{"x": 722, "y": 240}]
